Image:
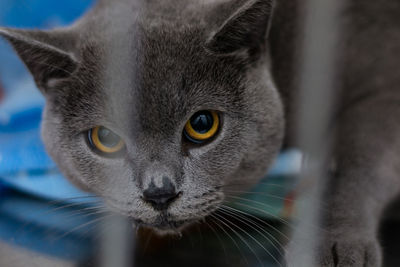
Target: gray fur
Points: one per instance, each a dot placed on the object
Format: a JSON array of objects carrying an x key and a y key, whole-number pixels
[
  {"x": 366, "y": 177},
  {"x": 142, "y": 68}
]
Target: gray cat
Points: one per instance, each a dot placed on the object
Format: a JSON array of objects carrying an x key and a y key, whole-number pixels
[{"x": 160, "y": 106}]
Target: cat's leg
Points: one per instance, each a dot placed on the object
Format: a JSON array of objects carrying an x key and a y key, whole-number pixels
[{"x": 366, "y": 180}]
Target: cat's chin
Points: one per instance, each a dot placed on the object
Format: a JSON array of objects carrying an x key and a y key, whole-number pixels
[{"x": 164, "y": 226}]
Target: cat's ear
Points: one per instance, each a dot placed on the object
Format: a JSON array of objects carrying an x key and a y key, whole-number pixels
[
  {"x": 44, "y": 53},
  {"x": 247, "y": 28}
]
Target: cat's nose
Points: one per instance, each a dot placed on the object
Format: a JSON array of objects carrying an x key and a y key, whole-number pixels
[{"x": 161, "y": 197}]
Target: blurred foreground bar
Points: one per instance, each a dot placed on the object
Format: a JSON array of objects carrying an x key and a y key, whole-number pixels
[
  {"x": 118, "y": 239},
  {"x": 317, "y": 97}
]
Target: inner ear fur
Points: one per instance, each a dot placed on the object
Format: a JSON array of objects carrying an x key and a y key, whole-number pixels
[
  {"x": 46, "y": 54},
  {"x": 245, "y": 29}
]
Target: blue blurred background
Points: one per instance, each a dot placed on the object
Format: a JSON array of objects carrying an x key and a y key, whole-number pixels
[
  {"x": 33, "y": 14},
  {"x": 21, "y": 150},
  {"x": 29, "y": 179}
]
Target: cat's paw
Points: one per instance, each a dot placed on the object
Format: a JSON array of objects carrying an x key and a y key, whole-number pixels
[{"x": 348, "y": 252}]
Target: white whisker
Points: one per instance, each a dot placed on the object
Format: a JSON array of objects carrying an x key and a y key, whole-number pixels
[
  {"x": 233, "y": 240},
  {"x": 253, "y": 225},
  {"x": 222, "y": 219}
]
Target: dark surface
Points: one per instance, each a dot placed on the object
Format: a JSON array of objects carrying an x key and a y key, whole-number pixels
[
  {"x": 202, "y": 246},
  {"x": 390, "y": 238}
]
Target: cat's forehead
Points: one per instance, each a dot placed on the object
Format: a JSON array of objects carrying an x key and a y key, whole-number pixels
[
  {"x": 151, "y": 75},
  {"x": 147, "y": 69},
  {"x": 145, "y": 35}
]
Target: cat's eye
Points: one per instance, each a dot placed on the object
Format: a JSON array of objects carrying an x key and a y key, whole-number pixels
[
  {"x": 202, "y": 126},
  {"x": 104, "y": 140}
]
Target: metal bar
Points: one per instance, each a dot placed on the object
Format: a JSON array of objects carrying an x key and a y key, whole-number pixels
[
  {"x": 317, "y": 94},
  {"x": 117, "y": 243},
  {"x": 118, "y": 235}
]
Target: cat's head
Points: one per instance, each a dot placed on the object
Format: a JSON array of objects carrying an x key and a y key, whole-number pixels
[{"x": 159, "y": 109}]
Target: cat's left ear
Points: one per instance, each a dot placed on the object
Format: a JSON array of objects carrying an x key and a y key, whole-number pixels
[
  {"x": 45, "y": 53},
  {"x": 247, "y": 28}
]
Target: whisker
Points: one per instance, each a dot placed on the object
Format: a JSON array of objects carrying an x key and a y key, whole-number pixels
[
  {"x": 83, "y": 225},
  {"x": 70, "y": 205},
  {"x": 103, "y": 227},
  {"x": 261, "y": 194},
  {"x": 252, "y": 184},
  {"x": 260, "y": 221},
  {"x": 317, "y": 227},
  {"x": 70, "y": 198},
  {"x": 263, "y": 211},
  {"x": 324, "y": 204},
  {"x": 255, "y": 240},
  {"x": 200, "y": 233},
  {"x": 222, "y": 219},
  {"x": 230, "y": 236},
  {"x": 90, "y": 227},
  {"x": 253, "y": 225},
  {"x": 219, "y": 238},
  {"x": 69, "y": 218},
  {"x": 63, "y": 207},
  {"x": 46, "y": 212},
  {"x": 87, "y": 214},
  {"x": 84, "y": 211}
]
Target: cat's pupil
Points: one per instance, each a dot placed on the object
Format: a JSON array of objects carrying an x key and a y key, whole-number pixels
[
  {"x": 202, "y": 121},
  {"x": 107, "y": 137}
]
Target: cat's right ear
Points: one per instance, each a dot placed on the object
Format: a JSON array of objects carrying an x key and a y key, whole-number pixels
[
  {"x": 44, "y": 54},
  {"x": 247, "y": 28}
]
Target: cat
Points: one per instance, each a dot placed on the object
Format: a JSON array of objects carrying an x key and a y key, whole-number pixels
[{"x": 160, "y": 107}]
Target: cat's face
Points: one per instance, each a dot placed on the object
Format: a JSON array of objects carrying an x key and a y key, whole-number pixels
[{"x": 117, "y": 124}]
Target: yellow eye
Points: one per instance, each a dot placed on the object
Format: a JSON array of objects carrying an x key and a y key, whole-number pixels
[
  {"x": 105, "y": 140},
  {"x": 202, "y": 126}
]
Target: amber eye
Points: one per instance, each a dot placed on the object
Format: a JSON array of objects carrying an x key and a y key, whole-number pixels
[
  {"x": 202, "y": 126},
  {"x": 104, "y": 140}
]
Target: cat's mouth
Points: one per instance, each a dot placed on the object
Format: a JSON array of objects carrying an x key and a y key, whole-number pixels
[{"x": 166, "y": 221}]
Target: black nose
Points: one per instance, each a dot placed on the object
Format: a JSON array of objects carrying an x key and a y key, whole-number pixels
[{"x": 160, "y": 197}]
